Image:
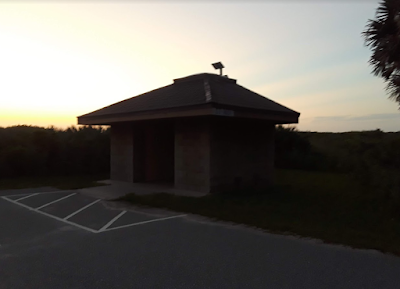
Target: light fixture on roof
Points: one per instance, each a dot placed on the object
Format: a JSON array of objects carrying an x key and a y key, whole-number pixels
[{"x": 218, "y": 65}]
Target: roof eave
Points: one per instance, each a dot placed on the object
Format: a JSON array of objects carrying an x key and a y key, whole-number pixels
[
  {"x": 197, "y": 110},
  {"x": 209, "y": 109}
]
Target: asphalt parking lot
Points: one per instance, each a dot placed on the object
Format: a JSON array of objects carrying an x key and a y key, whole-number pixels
[{"x": 64, "y": 239}]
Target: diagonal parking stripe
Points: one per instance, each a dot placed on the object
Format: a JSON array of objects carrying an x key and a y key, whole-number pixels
[
  {"x": 145, "y": 222},
  {"x": 58, "y": 204},
  {"x": 49, "y": 215},
  {"x": 81, "y": 209},
  {"x": 60, "y": 199},
  {"x": 112, "y": 221},
  {"x": 25, "y": 197}
]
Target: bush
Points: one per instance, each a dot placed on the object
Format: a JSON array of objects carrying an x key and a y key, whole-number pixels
[
  {"x": 35, "y": 151},
  {"x": 294, "y": 151},
  {"x": 377, "y": 165}
]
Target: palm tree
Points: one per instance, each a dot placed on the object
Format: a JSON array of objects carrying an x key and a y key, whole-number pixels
[{"x": 382, "y": 35}]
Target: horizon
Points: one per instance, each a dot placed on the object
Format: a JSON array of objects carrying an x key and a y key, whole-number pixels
[
  {"x": 62, "y": 60},
  {"x": 78, "y": 126}
]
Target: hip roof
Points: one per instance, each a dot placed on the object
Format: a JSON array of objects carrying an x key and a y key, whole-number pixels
[{"x": 197, "y": 90}]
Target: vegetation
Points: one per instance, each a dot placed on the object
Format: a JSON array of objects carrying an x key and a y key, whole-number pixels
[
  {"x": 370, "y": 158},
  {"x": 36, "y": 151},
  {"x": 66, "y": 159},
  {"x": 294, "y": 151},
  {"x": 382, "y": 35},
  {"x": 60, "y": 182}
]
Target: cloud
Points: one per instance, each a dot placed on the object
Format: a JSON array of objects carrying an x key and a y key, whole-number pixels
[
  {"x": 319, "y": 119},
  {"x": 341, "y": 123},
  {"x": 368, "y": 117},
  {"x": 379, "y": 116}
]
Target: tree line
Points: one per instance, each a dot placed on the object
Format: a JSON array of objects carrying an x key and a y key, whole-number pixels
[
  {"x": 371, "y": 158},
  {"x": 34, "y": 151}
]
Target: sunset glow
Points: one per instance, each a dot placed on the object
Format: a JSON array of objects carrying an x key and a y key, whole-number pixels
[{"x": 59, "y": 60}]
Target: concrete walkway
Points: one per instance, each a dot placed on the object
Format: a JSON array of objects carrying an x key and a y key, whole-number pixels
[{"x": 116, "y": 189}]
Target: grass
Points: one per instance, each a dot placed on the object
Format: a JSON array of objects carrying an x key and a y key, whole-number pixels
[
  {"x": 326, "y": 206},
  {"x": 60, "y": 182}
]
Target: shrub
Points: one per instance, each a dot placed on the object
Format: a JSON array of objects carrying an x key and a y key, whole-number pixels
[
  {"x": 33, "y": 151},
  {"x": 294, "y": 151}
]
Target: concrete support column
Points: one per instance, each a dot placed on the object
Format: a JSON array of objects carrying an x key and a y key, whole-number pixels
[
  {"x": 192, "y": 155},
  {"x": 121, "y": 153}
]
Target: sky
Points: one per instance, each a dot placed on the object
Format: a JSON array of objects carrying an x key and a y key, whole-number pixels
[{"x": 59, "y": 60}]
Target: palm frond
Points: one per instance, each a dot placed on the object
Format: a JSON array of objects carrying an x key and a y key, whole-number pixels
[{"x": 382, "y": 36}]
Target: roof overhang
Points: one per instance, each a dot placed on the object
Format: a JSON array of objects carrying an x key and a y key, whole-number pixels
[{"x": 209, "y": 109}]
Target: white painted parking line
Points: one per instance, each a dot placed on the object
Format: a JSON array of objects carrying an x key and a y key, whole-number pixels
[
  {"x": 31, "y": 195},
  {"x": 24, "y": 194},
  {"x": 144, "y": 222},
  {"x": 26, "y": 197},
  {"x": 60, "y": 199},
  {"x": 81, "y": 209},
  {"x": 112, "y": 221},
  {"x": 51, "y": 216}
]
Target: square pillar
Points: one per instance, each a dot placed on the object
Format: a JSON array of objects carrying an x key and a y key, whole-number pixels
[
  {"x": 192, "y": 154},
  {"x": 121, "y": 161}
]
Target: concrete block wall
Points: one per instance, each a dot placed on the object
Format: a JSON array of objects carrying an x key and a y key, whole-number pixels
[
  {"x": 121, "y": 153},
  {"x": 192, "y": 154},
  {"x": 241, "y": 154}
]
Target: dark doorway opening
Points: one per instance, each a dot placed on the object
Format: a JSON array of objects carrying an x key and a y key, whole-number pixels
[{"x": 153, "y": 153}]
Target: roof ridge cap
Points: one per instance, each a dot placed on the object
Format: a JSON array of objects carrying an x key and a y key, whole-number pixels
[{"x": 207, "y": 90}]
